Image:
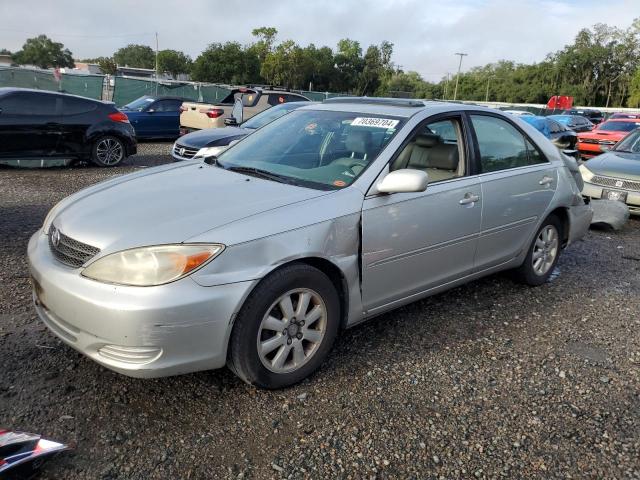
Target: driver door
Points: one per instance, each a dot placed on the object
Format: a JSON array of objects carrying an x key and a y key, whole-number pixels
[{"x": 415, "y": 242}]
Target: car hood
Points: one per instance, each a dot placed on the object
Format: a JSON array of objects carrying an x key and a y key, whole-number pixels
[
  {"x": 616, "y": 164},
  {"x": 600, "y": 135},
  {"x": 170, "y": 206},
  {"x": 212, "y": 137}
]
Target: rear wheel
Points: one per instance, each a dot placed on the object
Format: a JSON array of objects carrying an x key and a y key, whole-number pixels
[
  {"x": 543, "y": 254},
  {"x": 286, "y": 328},
  {"x": 108, "y": 151}
]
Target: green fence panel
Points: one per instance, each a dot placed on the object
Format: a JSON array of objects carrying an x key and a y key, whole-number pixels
[
  {"x": 84, "y": 85},
  {"x": 126, "y": 90}
]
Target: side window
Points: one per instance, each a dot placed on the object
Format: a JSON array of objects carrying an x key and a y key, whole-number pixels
[
  {"x": 555, "y": 127},
  {"x": 502, "y": 146},
  {"x": 77, "y": 106},
  {"x": 167, "y": 105},
  {"x": 294, "y": 98},
  {"x": 277, "y": 98},
  {"x": 437, "y": 148},
  {"x": 35, "y": 104}
]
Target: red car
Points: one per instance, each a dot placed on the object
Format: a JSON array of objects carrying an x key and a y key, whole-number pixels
[{"x": 605, "y": 136}]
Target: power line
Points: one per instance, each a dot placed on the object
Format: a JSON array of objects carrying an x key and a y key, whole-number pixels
[{"x": 79, "y": 35}]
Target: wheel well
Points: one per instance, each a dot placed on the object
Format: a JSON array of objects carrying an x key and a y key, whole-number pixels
[
  {"x": 336, "y": 277},
  {"x": 563, "y": 216}
]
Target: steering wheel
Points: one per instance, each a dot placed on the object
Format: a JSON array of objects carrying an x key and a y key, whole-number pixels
[{"x": 357, "y": 163}]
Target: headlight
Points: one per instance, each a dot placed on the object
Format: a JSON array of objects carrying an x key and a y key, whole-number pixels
[
  {"x": 587, "y": 174},
  {"x": 209, "y": 151},
  {"x": 148, "y": 266}
]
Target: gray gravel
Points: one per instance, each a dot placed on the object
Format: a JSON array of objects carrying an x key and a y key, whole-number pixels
[{"x": 490, "y": 380}]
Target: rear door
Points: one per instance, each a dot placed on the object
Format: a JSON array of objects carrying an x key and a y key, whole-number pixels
[
  {"x": 78, "y": 115},
  {"x": 29, "y": 125},
  {"x": 518, "y": 184}
]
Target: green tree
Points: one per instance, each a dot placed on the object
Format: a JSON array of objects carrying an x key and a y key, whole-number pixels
[
  {"x": 44, "y": 53},
  {"x": 140, "y": 56},
  {"x": 173, "y": 62},
  {"x": 634, "y": 91},
  {"x": 349, "y": 64},
  {"x": 107, "y": 65},
  {"x": 4, "y": 51},
  {"x": 266, "y": 37},
  {"x": 226, "y": 63}
]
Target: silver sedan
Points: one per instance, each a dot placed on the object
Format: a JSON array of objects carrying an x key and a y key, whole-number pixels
[{"x": 327, "y": 217}]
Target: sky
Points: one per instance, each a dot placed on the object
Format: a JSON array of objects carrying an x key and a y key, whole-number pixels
[{"x": 426, "y": 33}]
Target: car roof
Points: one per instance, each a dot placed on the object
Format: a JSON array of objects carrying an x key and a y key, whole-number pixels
[
  {"x": 632, "y": 120},
  {"x": 6, "y": 90},
  {"x": 393, "y": 107}
]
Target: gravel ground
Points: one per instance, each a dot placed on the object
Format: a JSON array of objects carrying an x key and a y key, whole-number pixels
[{"x": 490, "y": 380}]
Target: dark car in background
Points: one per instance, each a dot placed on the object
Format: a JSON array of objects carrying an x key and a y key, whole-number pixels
[
  {"x": 577, "y": 123},
  {"x": 38, "y": 125},
  {"x": 212, "y": 141},
  {"x": 155, "y": 116},
  {"x": 594, "y": 116},
  {"x": 562, "y": 136},
  {"x": 624, "y": 116}
]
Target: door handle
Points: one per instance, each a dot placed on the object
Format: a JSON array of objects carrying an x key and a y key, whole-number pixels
[
  {"x": 469, "y": 199},
  {"x": 546, "y": 180}
]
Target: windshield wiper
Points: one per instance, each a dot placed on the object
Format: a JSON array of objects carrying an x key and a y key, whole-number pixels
[{"x": 256, "y": 172}]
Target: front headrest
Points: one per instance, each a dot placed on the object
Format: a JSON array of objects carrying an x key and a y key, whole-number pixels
[
  {"x": 427, "y": 140},
  {"x": 444, "y": 157},
  {"x": 358, "y": 141}
]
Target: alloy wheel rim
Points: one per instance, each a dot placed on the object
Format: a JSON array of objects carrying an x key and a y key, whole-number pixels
[
  {"x": 545, "y": 250},
  {"x": 292, "y": 330},
  {"x": 109, "y": 151}
]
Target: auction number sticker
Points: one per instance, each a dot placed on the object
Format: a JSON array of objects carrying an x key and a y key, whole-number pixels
[{"x": 374, "y": 122}]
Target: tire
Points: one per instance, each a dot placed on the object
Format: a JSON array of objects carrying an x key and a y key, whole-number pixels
[
  {"x": 543, "y": 254},
  {"x": 108, "y": 151},
  {"x": 271, "y": 348}
]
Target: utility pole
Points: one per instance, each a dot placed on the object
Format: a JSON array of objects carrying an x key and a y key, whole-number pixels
[
  {"x": 455, "y": 92},
  {"x": 446, "y": 87},
  {"x": 486, "y": 97},
  {"x": 157, "y": 78}
]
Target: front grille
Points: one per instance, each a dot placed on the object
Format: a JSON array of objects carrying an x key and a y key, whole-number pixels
[
  {"x": 187, "y": 153},
  {"x": 69, "y": 251},
  {"x": 597, "y": 142},
  {"x": 615, "y": 183}
]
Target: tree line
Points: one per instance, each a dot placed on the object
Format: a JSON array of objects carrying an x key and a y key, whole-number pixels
[{"x": 601, "y": 67}]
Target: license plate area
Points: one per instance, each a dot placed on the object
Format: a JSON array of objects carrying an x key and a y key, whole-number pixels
[{"x": 614, "y": 195}]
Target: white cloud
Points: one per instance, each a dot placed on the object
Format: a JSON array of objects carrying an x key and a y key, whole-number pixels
[{"x": 426, "y": 33}]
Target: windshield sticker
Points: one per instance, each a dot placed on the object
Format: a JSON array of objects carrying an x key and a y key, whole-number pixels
[
  {"x": 339, "y": 183},
  {"x": 374, "y": 122}
]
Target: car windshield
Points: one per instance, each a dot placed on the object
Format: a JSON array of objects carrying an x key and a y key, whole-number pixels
[
  {"x": 139, "y": 104},
  {"x": 313, "y": 148},
  {"x": 630, "y": 143},
  {"x": 618, "y": 126},
  {"x": 268, "y": 116}
]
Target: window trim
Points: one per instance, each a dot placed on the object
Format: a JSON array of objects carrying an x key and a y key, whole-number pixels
[
  {"x": 476, "y": 145},
  {"x": 57, "y": 109}
]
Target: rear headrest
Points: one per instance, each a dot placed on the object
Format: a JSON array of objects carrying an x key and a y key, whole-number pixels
[
  {"x": 444, "y": 157},
  {"x": 427, "y": 140},
  {"x": 358, "y": 141}
]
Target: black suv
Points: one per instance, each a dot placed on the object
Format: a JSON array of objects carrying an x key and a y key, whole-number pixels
[
  {"x": 42, "y": 125},
  {"x": 594, "y": 116}
]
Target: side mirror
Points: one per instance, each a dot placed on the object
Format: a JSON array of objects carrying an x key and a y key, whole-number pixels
[
  {"x": 151, "y": 110},
  {"x": 230, "y": 122},
  {"x": 403, "y": 181},
  {"x": 238, "y": 111}
]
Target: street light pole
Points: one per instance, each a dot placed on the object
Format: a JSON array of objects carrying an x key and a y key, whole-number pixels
[{"x": 455, "y": 92}]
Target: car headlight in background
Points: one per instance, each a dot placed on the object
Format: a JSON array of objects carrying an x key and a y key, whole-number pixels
[
  {"x": 149, "y": 266},
  {"x": 210, "y": 151},
  {"x": 587, "y": 174}
]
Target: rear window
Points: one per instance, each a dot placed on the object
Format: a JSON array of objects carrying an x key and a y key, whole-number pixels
[
  {"x": 618, "y": 126},
  {"x": 249, "y": 98}
]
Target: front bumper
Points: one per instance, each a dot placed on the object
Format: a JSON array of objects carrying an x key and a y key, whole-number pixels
[
  {"x": 592, "y": 190},
  {"x": 145, "y": 332}
]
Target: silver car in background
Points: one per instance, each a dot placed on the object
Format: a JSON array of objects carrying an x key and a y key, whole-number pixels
[{"x": 327, "y": 217}]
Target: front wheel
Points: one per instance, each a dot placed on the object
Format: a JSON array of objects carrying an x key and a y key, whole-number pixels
[
  {"x": 543, "y": 255},
  {"x": 286, "y": 328},
  {"x": 108, "y": 151}
]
